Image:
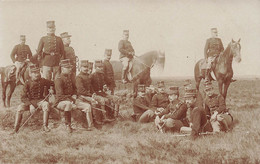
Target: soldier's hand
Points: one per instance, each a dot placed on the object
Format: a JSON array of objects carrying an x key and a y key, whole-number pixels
[
  {"x": 32, "y": 109},
  {"x": 39, "y": 57}
]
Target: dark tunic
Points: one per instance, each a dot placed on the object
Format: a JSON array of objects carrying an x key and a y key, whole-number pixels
[
  {"x": 21, "y": 52},
  {"x": 83, "y": 84},
  {"x": 65, "y": 87},
  {"x": 213, "y": 47},
  {"x": 140, "y": 105},
  {"x": 109, "y": 74},
  {"x": 177, "y": 110},
  {"x": 97, "y": 82},
  {"x": 159, "y": 101},
  {"x": 215, "y": 103},
  {"x": 33, "y": 91},
  {"x": 124, "y": 47},
  {"x": 48, "y": 45},
  {"x": 70, "y": 54}
]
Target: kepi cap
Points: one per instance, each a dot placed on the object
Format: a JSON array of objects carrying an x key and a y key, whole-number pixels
[
  {"x": 191, "y": 92},
  {"x": 84, "y": 63},
  {"x": 173, "y": 90},
  {"x": 98, "y": 63},
  {"x": 34, "y": 68},
  {"x": 65, "y": 35},
  {"x": 65, "y": 63},
  {"x": 22, "y": 37},
  {"x": 141, "y": 88},
  {"x": 50, "y": 24},
  {"x": 160, "y": 84},
  {"x": 108, "y": 51}
]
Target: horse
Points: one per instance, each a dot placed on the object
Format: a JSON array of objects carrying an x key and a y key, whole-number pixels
[
  {"x": 222, "y": 67},
  {"x": 142, "y": 65},
  {"x": 8, "y": 77}
]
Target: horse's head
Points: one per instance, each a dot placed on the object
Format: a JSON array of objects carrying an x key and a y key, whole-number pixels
[
  {"x": 160, "y": 62},
  {"x": 235, "y": 50}
]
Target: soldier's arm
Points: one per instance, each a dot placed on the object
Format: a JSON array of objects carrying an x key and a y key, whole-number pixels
[
  {"x": 196, "y": 121},
  {"x": 62, "y": 51},
  {"x": 80, "y": 88},
  {"x": 181, "y": 113},
  {"x": 137, "y": 103},
  {"x": 13, "y": 53},
  {"x": 24, "y": 95},
  {"x": 222, "y": 104},
  {"x": 40, "y": 46},
  {"x": 121, "y": 47},
  {"x": 30, "y": 52},
  {"x": 206, "y": 49},
  {"x": 207, "y": 110}
]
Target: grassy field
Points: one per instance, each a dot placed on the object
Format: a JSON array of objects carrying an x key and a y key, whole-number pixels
[{"x": 126, "y": 141}]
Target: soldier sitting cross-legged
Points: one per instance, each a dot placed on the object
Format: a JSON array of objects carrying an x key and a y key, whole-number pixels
[
  {"x": 65, "y": 92},
  {"x": 174, "y": 116},
  {"x": 32, "y": 98}
]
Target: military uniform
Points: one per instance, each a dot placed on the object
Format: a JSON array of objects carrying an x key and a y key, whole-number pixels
[
  {"x": 216, "y": 103},
  {"x": 84, "y": 93},
  {"x": 109, "y": 76},
  {"x": 140, "y": 106},
  {"x": 33, "y": 97},
  {"x": 51, "y": 50},
  {"x": 126, "y": 55},
  {"x": 65, "y": 88}
]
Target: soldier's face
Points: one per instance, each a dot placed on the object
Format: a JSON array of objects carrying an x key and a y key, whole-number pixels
[
  {"x": 190, "y": 101},
  {"x": 108, "y": 57},
  {"x": 84, "y": 69},
  {"x": 126, "y": 36},
  {"x": 99, "y": 69},
  {"x": 172, "y": 97},
  {"x": 161, "y": 90},
  {"x": 51, "y": 30},
  {"x": 35, "y": 75},
  {"x": 209, "y": 92},
  {"x": 66, "y": 70},
  {"x": 66, "y": 41},
  {"x": 22, "y": 41},
  {"x": 214, "y": 33}
]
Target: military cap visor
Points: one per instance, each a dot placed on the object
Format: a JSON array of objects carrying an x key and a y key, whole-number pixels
[
  {"x": 65, "y": 63},
  {"x": 190, "y": 93}
]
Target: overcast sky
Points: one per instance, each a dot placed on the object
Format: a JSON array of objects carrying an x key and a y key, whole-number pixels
[{"x": 180, "y": 28}]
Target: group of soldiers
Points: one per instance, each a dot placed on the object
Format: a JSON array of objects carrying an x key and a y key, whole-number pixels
[
  {"x": 90, "y": 92},
  {"x": 194, "y": 115}
]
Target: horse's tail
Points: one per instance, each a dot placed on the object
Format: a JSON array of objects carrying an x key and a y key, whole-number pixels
[{"x": 197, "y": 74}]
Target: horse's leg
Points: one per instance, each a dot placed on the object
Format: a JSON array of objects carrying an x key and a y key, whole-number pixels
[
  {"x": 226, "y": 85},
  {"x": 11, "y": 91},
  {"x": 220, "y": 86},
  {"x": 4, "y": 86},
  {"x": 198, "y": 83}
]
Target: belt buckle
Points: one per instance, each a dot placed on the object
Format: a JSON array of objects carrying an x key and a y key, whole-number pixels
[{"x": 52, "y": 53}]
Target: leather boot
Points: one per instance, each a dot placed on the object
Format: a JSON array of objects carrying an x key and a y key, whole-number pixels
[
  {"x": 45, "y": 121},
  {"x": 89, "y": 121},
  {"x": 124, "y": 81},
  {"x": 105, "y": 119},
  {"x": 116, "y": 110},
  {"x": 67, "y": 115},
  {"x": 18, "y": 120}
]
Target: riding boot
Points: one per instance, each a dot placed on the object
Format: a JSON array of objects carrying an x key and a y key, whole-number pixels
[
  {"x": 67, "y": 115},
  {"x": 45, "y": 121},
  {"x": 89, "y": 121},
  {"x": 116, "y": 111},
  {"x": 18, "y": 120},
  {"x": 207, "y": 75},
  {"x": 124, "y": 76},
  {"x": 105, "y": 118}
]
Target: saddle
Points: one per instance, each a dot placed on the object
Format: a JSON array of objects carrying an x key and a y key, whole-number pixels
[{"x": 203, "y": 65}]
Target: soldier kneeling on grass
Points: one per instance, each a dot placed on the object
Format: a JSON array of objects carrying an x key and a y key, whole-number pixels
[
  {"x": 196, "y": 115},
  {"x": 65, "y": 92},
  {"x": 174, "y": 117},
  {"x": 216, "y": 110},
  {"x": 33, "y": 98}
]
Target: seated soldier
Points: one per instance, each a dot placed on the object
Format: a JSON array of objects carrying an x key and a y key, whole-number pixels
[
  {"x": 175, "y": 116},
  {"x": 216, "y": 110},
  {"x": 150, "y": 92},
  {"x": 32, "y": 98},
  {"x": 158, "y": 105},
  {"x": 140, "y": 104},
  {"x": 196, "y": 115},
  {"x": 97, "y": 82},
  {"x": 65, "y": 92},
  {"x": 84, "y": 93}
]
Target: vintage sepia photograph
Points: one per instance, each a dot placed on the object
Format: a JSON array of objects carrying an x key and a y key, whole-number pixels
[{"x": 130, "y": 81}]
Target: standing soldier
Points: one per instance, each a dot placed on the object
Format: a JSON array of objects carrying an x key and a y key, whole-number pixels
[
  {"x": 69, "y": 51},
  {"x": 20, "y": 54},
  {"x": 216, "y": 110},
  {"x": 126, "y": 55},
  {"x": 50, "y": 51},
  {"x": 65, "y": 92},
  {"x": 175, "y": 115},
  {"x": 196, "y": 115},
  {"x": 32, "y": 98},
  {"x": 84, "y": 93},
  {"x": 212, "y": 49},
  {"x": 109, "y": 72}
]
